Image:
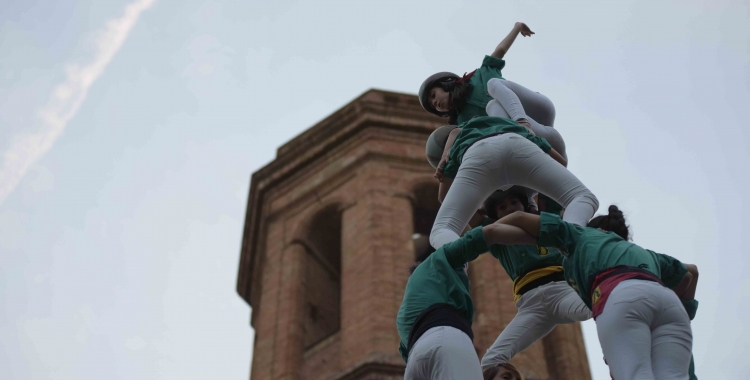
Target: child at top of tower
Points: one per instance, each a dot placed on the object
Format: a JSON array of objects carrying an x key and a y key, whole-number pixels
[{"x": 484, "y": 92}]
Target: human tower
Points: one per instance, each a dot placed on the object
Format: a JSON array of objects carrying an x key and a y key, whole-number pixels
[{"x": 504, "y": 188}]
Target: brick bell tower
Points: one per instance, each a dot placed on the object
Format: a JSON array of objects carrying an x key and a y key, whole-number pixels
[{"x": 332, "y": 225}]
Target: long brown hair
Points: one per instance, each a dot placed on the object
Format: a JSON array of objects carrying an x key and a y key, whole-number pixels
[
  {"x": 459, "y": 92},
  {"x": 490, "y": 373}
]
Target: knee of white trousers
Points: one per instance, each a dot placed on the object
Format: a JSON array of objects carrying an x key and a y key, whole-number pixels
[
  {"x": 492, "y": 359},
  {"x": 495, "y": 109},
  {"x": 441, "y": 236},
  {"x": 587, "y": 197},
  {"x": 594, "y": 200},
  {"x": 495, "y": 82}
]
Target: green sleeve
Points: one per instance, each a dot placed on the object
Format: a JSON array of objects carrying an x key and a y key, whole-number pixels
[
  {"x": 495, "y": 63},
  {"x": 466, "y": 248},
  {"x": 402, "y": 351},
  {"x": 498, "y": 250},
  {"x": 553, "y": 232},
  {"x": 691, "y": 306},
  {"x": 671, "y": 270},
  {"x": 541, "y": 142},
  {"x": 450, "y": 168}
]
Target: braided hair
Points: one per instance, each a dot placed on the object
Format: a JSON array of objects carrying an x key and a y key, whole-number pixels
[{"x": 614, "y": 221}]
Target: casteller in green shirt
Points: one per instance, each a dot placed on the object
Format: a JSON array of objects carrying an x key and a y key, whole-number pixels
[
  {"x": 481, "y": 128},
  {"x": 517, "y": 260},
  {"x": 476, "y": 102},
  {"x": 440, "y": 279},
  {"x": 589, "y": 251}
]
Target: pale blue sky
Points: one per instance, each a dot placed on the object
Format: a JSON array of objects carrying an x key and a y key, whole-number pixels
[{"x": 119, "y": 245}]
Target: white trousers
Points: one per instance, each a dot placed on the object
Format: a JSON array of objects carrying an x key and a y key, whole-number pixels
[
  {"x": 443, "y": 353},
  {"x": 497, "y": 162},
  {"x": 645, "y": 333},
  {"x": 513, "y": 101},
  {"x": 539, "y": 311}
]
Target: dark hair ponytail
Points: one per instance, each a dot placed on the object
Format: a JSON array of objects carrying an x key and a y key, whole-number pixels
[
  {"x": 614, "y": 221},
  {"x": 459, "y": 92}
]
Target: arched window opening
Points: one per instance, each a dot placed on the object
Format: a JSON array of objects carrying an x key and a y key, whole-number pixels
[
  {"x": 322, "y": 314},
  {"x": 425, "y": 208}
]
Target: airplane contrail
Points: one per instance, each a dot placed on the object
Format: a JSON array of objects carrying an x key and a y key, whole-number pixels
[{"x": 66, "y": 99}]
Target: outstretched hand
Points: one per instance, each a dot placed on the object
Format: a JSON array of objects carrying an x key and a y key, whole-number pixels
[{"x": 524, "y": 29}]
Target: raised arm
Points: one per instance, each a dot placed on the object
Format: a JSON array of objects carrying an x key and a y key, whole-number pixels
[
  {"x": 505, "y": 234},
  {"x": 529, "y": 223},
  {"x": 682, "y": 289},
  {"x": 690, "y": 291},
  {"x": 505, "y": 44},
  {"x": 477, "y": 219}
]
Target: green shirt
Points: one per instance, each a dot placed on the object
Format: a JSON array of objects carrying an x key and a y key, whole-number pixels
[
  {"x": 476, "y": 102},
  {"x": 517, "y": 260},
  {"x": 672, "y": 273},
  {"x": 589, "y": 251},
  {"x": 441, "y": 278},
  {"x": 481, "y": 128},
  {"x": 671, "y": 270}
]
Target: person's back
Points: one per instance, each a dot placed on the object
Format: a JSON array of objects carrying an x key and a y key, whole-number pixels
[
  {"x": 434, "y": 282},
  {"x": 643, "y": 328},
  {"x": 437, "y": 312},
  {"x": 589, "y": 252},
  {"x": 434, "y": 320}
]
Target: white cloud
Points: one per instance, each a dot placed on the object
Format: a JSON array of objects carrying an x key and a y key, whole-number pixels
[
  {"x": 66, "y": 99},
  {"x": 44, "y": 181}
]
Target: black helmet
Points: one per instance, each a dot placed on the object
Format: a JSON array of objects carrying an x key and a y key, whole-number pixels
[
  {"x": 497, "y": 196},
  {"x": 428, "y": 84}
]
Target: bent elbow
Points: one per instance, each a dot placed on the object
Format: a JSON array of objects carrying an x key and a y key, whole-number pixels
[{"x": 693, "y": 270}]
